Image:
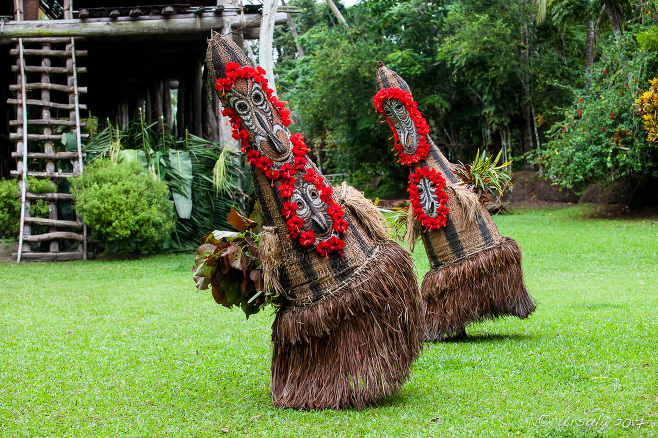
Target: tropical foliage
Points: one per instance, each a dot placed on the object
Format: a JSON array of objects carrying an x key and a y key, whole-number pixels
[
  {"x": 601, "y": 137},
  {"x": 227, "y": 262},
  {"x": 124, "y": 206},
  {"x": 10, "y": 208},
  {"x": 205, "y": 179},
  {"x": 487, "y": 76},
  {"x": 485, "y": 176}
]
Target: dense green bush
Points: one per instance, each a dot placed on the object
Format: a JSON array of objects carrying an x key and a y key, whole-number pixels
[
  {"x": 40, "y": 207},
  {"x": 10, "y": 208},
  {"x": 601, "y": 137},
  {"x": 10, "y": 204},
  {"x": 125, "y": 206}
]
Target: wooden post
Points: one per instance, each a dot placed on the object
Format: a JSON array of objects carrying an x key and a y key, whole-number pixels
[
  {"x": 265, "y": 55},
  {"x": 18, "y": 10},
  {"x": 180, "y": 111},
  {"x": 30, "y": 10},
  {"x": 48, "y": 144},
  {"x": 293, "y": 32},
  {"x": 210, "y": 125},
  {"x": 166, "y": 104},
  {"x": 21, "y": 114},
  {"x": 68, "y": 9},
  {"x": 123, "y": 115},
  {"x": 157, "y": 101},
  {"x": 197, "y": 104},
  {"x": 337, "y": 13}
]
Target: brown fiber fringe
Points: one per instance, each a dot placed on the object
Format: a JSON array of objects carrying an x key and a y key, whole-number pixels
[
  {"x": 368, "y": 215},
  {"x": 488, "y": 284},
  {"x": 354, "y": 347}
]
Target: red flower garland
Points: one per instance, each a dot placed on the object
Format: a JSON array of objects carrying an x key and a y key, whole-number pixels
[
  {"x": 435, "y": 177},
  {"x": 419, "y": 122},
  {"x": 286, "y": 173}
]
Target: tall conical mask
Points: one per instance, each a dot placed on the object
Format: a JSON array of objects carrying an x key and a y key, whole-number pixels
[
  {"x": 475, "y": 272},
  {"x": 347, "y": 329}
]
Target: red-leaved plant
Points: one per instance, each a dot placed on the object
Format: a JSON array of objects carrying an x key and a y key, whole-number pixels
[{"x": 227, "y": 262}]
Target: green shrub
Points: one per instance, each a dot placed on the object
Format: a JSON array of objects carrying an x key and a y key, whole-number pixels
[
  {"x": 124, "y": 206},
  {"x": 40, "y": 207},
  {"x": 10, "y": 208}
]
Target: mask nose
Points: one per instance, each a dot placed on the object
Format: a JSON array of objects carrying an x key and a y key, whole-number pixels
[
  {"x": 272, "y": 139},
  {"x": 321, "y": 222}
]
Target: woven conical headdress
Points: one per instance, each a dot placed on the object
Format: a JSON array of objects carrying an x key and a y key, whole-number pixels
[
  {"x": 347, "y": 329},
  {"x": 475, "y": 272}
]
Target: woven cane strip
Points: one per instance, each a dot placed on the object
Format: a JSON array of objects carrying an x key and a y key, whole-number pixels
[
  {"x": 437, "y": 160},
  {"x": 472, "y": 237},
  {"x": 306, "y": 276},
  {"x": 387, "y": 78},
  {"x": 217, "y": 59}
]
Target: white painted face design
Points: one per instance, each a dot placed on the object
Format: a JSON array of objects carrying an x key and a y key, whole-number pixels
[
  {"x": 428, "y": 200},
  {"x": 270, "y": 136},
  {"x": 403, "y": 125},
  {"x": 312, "y": 209}
]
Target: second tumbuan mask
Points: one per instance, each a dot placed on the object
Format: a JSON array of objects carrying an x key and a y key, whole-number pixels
[{"x": 475, "y": 272}]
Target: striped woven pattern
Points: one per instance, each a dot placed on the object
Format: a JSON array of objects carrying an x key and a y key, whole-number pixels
[
  {"x": 349, "y": 324},
  {"x": 475, "y": 272}
]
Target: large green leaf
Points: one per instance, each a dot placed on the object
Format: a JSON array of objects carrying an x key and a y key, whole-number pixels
[
  {"x": 180, "y": 172},
  {"x": 133, "y": 155}
]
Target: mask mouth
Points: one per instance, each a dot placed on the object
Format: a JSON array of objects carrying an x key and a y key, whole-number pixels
[
  {"x": 322, "y": 223},
  {"x": 408, "y": 141}
]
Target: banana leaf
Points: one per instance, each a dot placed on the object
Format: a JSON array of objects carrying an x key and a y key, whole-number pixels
[
  {"x": 133, "y": 155},
  {"x": 180, "y": 173}
]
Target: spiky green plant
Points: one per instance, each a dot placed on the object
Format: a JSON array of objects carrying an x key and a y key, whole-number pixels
[{"x": 485, "y": 176}]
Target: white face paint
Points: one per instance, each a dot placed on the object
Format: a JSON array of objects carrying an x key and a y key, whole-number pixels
[
  {"x": 403, "y": 125},
  {"x": 427, "y": 194},
  {"x": 251, "y": 105},
  {"x": 313, "y": 210}
]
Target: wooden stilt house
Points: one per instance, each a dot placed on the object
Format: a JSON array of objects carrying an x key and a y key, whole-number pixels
[{"x": 61, "y": 60}]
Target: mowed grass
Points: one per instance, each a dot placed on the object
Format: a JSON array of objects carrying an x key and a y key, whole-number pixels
[{"x": 129, "y": 348}]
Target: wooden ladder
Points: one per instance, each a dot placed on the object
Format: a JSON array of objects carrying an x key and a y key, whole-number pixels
[{"x": 38, "y": 123}]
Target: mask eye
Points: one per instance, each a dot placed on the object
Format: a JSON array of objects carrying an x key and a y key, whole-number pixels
[
  {"x": 241, "y": 107},
  {"x": 398, "y": 106},
  {"x": 313, "y": 195},
  {"x": 257, "y": 97},
  {"x": 302, "y": 207}
]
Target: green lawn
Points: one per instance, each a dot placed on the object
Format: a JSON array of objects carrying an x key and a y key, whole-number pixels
[{"x": 128, "y": 348}]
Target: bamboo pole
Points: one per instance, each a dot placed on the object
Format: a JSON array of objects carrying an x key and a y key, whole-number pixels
[
  {"x": 266, "y": 37},
  {"x": 25, "y": 151},
  {"x": 337, "y": 13}
]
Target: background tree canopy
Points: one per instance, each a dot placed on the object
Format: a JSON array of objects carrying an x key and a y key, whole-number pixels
[{"x": 486, "y": 74}]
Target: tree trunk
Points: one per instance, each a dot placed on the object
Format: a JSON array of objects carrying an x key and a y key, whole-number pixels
[
  {"x": 526, "y": 109},
  {"x": 293, "y": 32},
  {"x": 265, "y": 49},
  {"x": 614, "y": 16},
  {"x": 337, "y": 13},
  {"x": 589, "y": 50}
]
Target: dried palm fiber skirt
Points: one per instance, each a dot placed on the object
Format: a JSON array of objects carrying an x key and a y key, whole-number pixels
[
  {"x": 475, "y": 272},
  {"x": 349, "y": 327}
]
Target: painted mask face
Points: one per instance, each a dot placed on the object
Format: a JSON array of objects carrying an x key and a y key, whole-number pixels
[
  {"x": 312, "y": 210},
  {"x": 428, "y": 198},
  {"x": 403, "y": 124},
  {"x": 263, "y": 123}
]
